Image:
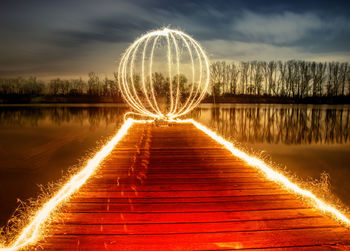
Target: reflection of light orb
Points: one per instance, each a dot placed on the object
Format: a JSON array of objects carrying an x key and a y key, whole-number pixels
[{"x": 164, "y": 74}]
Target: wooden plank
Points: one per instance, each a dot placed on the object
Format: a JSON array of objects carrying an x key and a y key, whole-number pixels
[
  {"x": 210, "y": 241},
  {"x": 174, "y": 188},
  {"x": 186, "y": 187},
  {"x": 173, "y": 217},
  {"x": 135, "y": 179},
  {"x": 190, "y": 227},
  {"x": 178, "y": 199},
  {"x": 192, "y": 207}
]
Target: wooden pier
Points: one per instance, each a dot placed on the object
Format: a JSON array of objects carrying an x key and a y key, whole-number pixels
[{"x": 172, "y": 187}]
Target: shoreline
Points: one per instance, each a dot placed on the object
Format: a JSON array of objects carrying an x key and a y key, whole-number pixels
[{"x": 237, "y": 99}]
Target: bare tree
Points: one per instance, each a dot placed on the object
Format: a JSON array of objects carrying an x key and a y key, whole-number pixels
[
  {"x": 217, "y": 76},
  {"x": 93, "y": 84},
  {"x": 256, "y": 78},
  {"x": 244, "y": 76},
  {"x": 233, "y": 74},
  {"x": 282, "y": 82},
  {"x": 78, "y": 85},
  {"x": 271, "y": 71},
  {"x": 54, "y": 86},
  {"x": 305, "y": 77},
  {"x": 344, "y": 68},
  {"x": 333, "y": 79},
  {"x": 317, "y": 71}
]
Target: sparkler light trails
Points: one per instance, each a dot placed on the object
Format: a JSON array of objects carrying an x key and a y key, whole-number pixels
[
  {"x": 32, "y": 231},
  {"x": 273, "y": 175},
  {"x": 144, "y": 90}
]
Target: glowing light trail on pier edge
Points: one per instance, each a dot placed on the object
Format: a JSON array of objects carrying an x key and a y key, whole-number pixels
[
  {"x": 33, "y": 231},
  {"x": 273, "y": 175}
]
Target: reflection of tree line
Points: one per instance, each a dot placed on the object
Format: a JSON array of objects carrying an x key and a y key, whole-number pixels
[
  {"x": 288, "y": 125},
  {"x": 294, "y": 125},
  {"x": 34, "y": 116}
]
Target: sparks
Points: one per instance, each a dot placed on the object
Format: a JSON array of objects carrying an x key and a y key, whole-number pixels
[
  {"x": 272, "y": 174},
  {"x": 142, "y": 97},
  {"x": 32, "y": 232}
]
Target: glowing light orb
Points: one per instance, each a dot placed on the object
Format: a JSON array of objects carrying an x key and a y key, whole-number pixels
[{"x": 164, "y": 74}]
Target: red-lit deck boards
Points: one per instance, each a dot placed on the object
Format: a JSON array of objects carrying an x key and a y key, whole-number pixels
[{"x": 174, "y": 188}]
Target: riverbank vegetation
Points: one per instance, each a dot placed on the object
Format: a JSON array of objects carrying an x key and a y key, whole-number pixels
[{"x": 292, "y": 81}]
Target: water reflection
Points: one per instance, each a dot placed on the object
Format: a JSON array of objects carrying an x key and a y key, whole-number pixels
[
  {"x": 32, "y": 116},
  {"x": 38, "y": 143},
  {"x": 287, "y": 124}
]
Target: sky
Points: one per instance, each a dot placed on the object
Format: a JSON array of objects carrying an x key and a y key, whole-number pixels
[{"x": 70, "y": 38}]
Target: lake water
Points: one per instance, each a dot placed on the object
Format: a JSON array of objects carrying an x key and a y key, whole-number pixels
[{"x": 38, "y": 144}]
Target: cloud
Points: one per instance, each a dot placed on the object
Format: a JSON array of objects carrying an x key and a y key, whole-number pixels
[
  {"x": 67, "y": 38},
  {"x": 245, "y": 51},
  {"x": 281, "y": 28}
]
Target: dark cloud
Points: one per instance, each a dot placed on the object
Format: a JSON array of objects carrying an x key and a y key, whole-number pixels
[{"x": 58, "y": 37}]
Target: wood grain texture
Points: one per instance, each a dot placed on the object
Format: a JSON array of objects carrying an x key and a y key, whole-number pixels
[{"x": 174, "y": 188}]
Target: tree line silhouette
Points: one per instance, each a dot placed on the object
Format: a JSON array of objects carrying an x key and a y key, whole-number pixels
[
  {"x": 94, "y": 86},
  {"x": 293, "y": 79}
]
